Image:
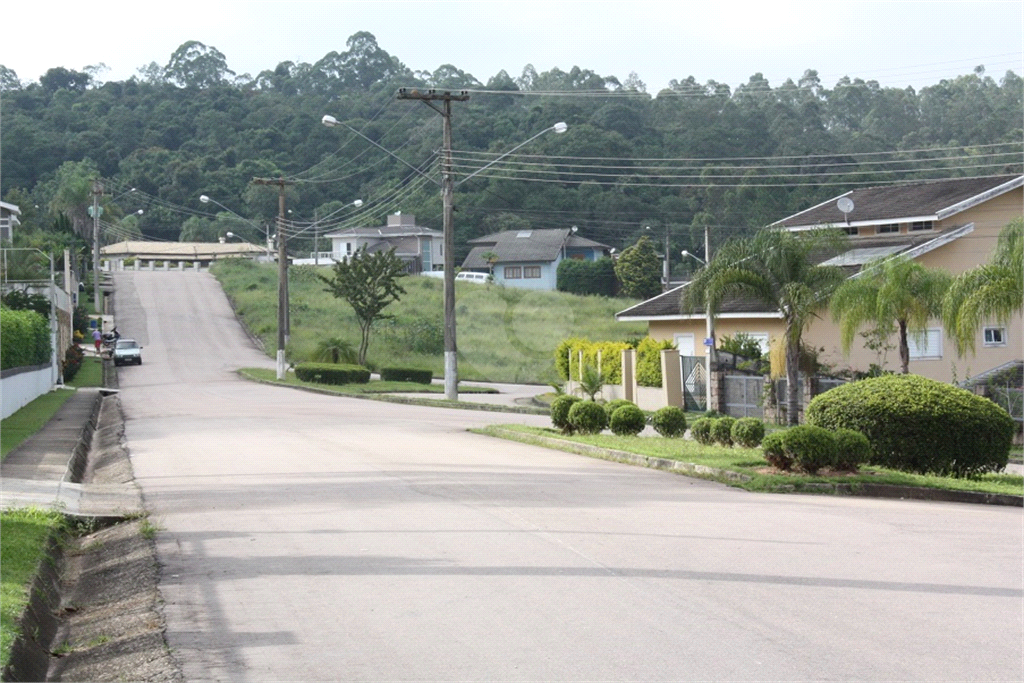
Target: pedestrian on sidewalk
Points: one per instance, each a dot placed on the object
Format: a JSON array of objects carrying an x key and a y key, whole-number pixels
[{"x": 97, "y": 339}]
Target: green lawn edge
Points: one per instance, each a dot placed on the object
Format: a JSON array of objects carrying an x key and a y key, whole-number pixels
[
  {"x": 385, "y": 392},
  {"x": 738, "y": 466}
]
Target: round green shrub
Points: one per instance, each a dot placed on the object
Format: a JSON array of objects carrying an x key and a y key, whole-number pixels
[
  {"x": 721, "y": 430},
  {"x": 611, "y": 406},
  {"x": 852, "y": 449},
  {"x": 700, "y": 430},
  {"x": 811, "y": 448},
  {"x": 748, "y": 432},
  {"x": 775, "y": 453},
  {"x": 560, "y": 412},
  {"x": 627, "y": 420},
  {"x": 669, "y": 421},
  {"x": 915, "y": 424},
  {"x": 587, "y": 417}
]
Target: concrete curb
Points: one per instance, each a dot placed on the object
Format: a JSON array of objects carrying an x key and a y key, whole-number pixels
[
  {"x": 726, "y": 476},
  {"x": 391, "y": 398}
]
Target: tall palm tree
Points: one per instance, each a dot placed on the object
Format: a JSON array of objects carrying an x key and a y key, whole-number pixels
[
  {"x": 896, "y": 294},
  {"x": 992, "y": 291},
  {"x": 778, "y": 268}
]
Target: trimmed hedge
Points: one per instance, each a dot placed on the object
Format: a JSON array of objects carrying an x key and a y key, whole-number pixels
[
  {"x": 627, "y": 420},
  {"x": 852, "y": 449},
  {"x": 916, "y": 424},
  {"x": 721, "y": 430},
  {"x": 587, "y": 417},
  {"x": 26, "y": 339},
  {"x": 587, "y": 277},
  {"x": 611, "y": 358},
  {"x": 748, "y": 432},
  {"x": 669, "y": 421},
  {"x": 811, "y": 448},
  {"x": 329, "y": 373},
  {"x": 406, "y": 375},
  {"x": 559, "y": 412},
  {"x": 700, "y": 430},
  {"x": 774, "y": 451},
  {"x": 611, "y": 406}
]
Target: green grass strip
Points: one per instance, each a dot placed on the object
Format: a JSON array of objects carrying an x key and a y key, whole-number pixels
[
  {"x": 23, "y": 535},
  {"x": 30, "y": 419},
  {"x": 723, "y": 464}
]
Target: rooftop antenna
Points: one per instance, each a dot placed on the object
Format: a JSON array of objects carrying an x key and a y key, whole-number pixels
[{"x": 845, "y": 204}]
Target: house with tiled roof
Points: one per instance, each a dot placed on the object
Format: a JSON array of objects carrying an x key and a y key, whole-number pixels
[
  {"x": 528, "y": 259},
  {"x": 421, "y": 248},
  {"x": 951, "y": 225}
]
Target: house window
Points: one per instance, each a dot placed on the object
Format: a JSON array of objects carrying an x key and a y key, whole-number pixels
[
  {"x": 888, "y": 228},
  {"x": 851, "y": 231},
  {"x": 921, "y": 225},
  {"x": 926, "y": 345},
  {"x": 684, "y": 342},
  {"x": 531, "y": 271},
  {"x": 513, "y": 272},
  {"x": 348, "y": 248},
  {"x": 995, "y": 336}
]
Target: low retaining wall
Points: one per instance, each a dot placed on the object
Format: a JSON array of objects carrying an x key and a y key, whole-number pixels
[{"x": 21, "y": 386}]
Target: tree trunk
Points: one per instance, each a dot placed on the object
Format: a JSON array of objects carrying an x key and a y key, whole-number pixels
[
  {"x": 792, "y": 381},
  {"x": 364, "y": 343},
  {"x": 904, "y": 348}
]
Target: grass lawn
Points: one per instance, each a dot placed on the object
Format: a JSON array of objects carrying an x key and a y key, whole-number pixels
[
  {"x": 23, "y": 533},
  {"x": 504, "y": 334},
  {"x": 750, "y": 463}
]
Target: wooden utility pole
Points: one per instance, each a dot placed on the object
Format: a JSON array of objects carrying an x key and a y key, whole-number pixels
[
  {"x": 282, "y": 274},
  {"x": 451, "y": 370}
]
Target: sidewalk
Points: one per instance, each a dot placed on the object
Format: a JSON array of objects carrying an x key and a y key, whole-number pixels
[{"x": 44, "y": 472}]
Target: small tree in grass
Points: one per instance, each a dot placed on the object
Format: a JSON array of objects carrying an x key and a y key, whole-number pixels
[{"x": 369, "y": 283}]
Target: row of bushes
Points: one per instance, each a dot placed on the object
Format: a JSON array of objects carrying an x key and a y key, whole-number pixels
[
  {"x": 587, "y": 277},
  {"x": 810, "y": 448},
  {"x": 341, "y": 373},
  {"x": 26, "y": 339},
  {"x": 648, "y": 359},
  {"x": 573, "y": 415},
  {"x": 728, "y": 431}
]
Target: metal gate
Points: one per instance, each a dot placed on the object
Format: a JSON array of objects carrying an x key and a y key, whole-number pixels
[
  {"x": 743, "y": 396},
  {"x": 695, "y": 382}
]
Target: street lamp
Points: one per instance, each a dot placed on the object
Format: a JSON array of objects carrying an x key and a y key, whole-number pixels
[
  {"x": 206, "y": 199},
  {"x": 709, "y": 323}
]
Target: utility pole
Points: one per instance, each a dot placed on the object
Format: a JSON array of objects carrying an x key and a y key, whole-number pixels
[
  {"x": 708, "y": 314},
  {"x": 668, "y": 268},
  {"x": 282, "y": 274},
  {"x": 97, "y": 192},
  {"x": 451, "y": 371}
]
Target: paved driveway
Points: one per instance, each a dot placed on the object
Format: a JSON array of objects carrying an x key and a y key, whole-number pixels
[{"x": 307, "y": 537}]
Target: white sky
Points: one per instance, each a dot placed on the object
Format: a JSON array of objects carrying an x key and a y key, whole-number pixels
[{"x": 896, "y": 42}]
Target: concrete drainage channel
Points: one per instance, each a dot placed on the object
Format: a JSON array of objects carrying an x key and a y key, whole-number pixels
[{"x": 94, "y": 609}]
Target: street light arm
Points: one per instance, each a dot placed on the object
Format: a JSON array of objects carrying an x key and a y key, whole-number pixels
[
  {"x": 331, "y": 122},
  {"x": 559, "y": 127}
]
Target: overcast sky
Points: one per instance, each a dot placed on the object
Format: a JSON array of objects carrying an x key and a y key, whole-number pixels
[{"x": 896, "y": 42}]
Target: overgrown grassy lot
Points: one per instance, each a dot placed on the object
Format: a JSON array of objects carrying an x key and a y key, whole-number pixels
[
  {"x": 23, "y": 534},
  {"x": 749, "y": 462},
  {"x": 503, "y": 334}
]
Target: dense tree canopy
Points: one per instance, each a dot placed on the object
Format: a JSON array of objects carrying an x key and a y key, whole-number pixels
[{"x": 693, "y": 155}]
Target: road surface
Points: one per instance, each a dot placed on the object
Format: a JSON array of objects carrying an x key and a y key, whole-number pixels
[{"x": 305, "y": 537}]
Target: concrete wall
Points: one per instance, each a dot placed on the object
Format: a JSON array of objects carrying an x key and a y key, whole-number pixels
[{"x": 21, "y": 386}]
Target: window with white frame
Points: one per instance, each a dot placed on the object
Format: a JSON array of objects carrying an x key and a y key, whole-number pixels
[
  {"x": 995, "y": 336},
  {"x": 684, "y": 342},
  {"x": 926, "y": 345},
  {"x": 921, "y": 225},
  {"x": 888, "y": 228}
]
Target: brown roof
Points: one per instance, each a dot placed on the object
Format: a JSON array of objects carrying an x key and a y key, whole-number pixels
[
  {"x": 669, "y": 305},
  {"x": 893, "y": 203}
]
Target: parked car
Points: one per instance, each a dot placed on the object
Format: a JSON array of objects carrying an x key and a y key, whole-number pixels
[
  {"x": 127, "y": 351},
  {"x": 470, "y": 276}
]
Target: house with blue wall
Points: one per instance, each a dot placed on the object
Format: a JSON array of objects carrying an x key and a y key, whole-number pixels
[{"x": 528, "y": 259}]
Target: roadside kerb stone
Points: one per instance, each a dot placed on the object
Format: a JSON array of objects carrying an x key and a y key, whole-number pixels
[{"x": 727, "y": 476}]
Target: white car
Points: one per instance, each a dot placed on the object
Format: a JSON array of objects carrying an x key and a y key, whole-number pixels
[
  {"x": 469, "y": 276},
  {"x": 127, "y": 351}
]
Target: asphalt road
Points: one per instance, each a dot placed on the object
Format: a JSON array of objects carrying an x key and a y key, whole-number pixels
[{"x": 306, "y": 537}]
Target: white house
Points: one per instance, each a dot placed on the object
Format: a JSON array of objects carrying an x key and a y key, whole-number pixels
[{"x": 421, "y": 248}]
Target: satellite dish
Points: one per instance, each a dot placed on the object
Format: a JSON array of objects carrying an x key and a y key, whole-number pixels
[{"x": 845, "y": 204}]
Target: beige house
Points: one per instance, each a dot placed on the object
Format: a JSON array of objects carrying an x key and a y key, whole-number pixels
[{"x": 948, "y": 224}]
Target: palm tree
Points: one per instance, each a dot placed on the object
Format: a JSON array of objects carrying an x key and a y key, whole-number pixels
[
  {"x": 894, "y": 293},
  {"x": 334, "y": 350},
  {"x": 992, "y": 291},
  {"x": 778, "y": 268}
]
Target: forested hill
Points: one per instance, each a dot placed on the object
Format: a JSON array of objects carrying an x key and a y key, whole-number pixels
[{"x": 694, "y": 154}]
